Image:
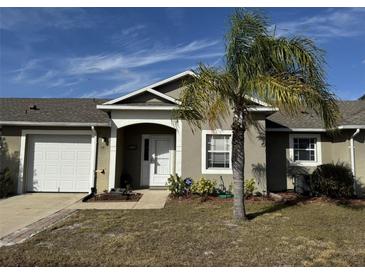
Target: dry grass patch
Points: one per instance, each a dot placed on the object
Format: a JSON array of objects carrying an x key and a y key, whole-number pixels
[{"x": 190, "y": 233}]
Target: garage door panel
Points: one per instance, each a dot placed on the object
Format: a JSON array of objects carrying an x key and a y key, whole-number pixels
[
  {"x": 83, "y": 155},
  {"x": 82, "y": 171},
  {"x": 68, "y": 155},
  {"x": 52, "y": 155},
  {"x": 39, "y": 155},
  {"x": 65, "y": 185},
  {"x": 68, "y": 171},
  {"x": 51, "y": 185},
  {"x": 59, "y": 163}
]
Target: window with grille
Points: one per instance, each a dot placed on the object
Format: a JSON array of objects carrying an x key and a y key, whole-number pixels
[
  {"x": 305, "y": 149},
  {"x": 218, "y": 151}
]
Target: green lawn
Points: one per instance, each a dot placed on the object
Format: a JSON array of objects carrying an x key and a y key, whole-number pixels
[{"x": 190, "y": 233}]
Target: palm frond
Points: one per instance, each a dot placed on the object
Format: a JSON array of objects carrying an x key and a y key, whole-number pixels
[
  {"x": 289, "y": 73},
  {"x": 206, "y": 98}
]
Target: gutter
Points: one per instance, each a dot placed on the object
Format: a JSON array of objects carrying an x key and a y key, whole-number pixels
[
  {"x": 286, "y": 129},
  {"x": 66, "y": 124},
  {"x": 352, "y": 127},
  {"x": 352, "y": 151}
]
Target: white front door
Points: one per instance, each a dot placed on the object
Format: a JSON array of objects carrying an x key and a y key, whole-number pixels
[{"x": 157, "y": 164}]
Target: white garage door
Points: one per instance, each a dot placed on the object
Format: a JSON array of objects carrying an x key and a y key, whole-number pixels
[{"x": 58, "y": 163}]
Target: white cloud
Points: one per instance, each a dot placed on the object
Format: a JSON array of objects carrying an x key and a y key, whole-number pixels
[
  {"x": 108, "y": 62},
  {"x": 130, "y": 81},
  {"x": 132, "y": 29},
  {"x": 39, "y": 18},
  {"x": 113, "y": 67},
  {"x": 333, "y": 23},
  {"x": 45, "y": 73}
]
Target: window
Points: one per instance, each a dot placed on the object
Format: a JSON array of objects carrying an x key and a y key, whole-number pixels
[
  {"x": 216, "y": 152},
  {"x": 305, "y": 149},
  {"x": 146, "y": 155}
]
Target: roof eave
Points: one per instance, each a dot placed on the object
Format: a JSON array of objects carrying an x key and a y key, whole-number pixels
[{"x": 66, "y": 124}]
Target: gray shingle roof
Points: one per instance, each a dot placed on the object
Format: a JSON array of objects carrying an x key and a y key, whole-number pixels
[
  {"x": 53, "y": 110},
  {"x": 352, "y": 113},
  {"x": 84, "y": 111}
]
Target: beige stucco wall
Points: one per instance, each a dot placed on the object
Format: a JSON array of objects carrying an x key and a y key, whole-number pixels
[
  {"x": 102, "y": 159},
  {"x": 10, "y": 159},
  {"x": 174, "y": 88},
  {"x": 12, "y": 136},
  {"x": 334, "y": 148},
  {"x": 255, "y": 152}
]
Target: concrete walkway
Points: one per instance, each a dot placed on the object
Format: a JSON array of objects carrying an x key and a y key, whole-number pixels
[
  {"x": 151, "y": 199},
  {"x": 20, "y": 211}
]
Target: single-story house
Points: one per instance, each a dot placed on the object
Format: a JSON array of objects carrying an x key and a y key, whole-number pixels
[{"x": 80, "y": 145}]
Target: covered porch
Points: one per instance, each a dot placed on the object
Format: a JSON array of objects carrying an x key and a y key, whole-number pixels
[{"x": 144, "y": 152}]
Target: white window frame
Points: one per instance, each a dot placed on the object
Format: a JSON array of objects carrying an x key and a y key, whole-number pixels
[
  {"x": 318, "y": 150},
  {"x": 206, "y": 170}
]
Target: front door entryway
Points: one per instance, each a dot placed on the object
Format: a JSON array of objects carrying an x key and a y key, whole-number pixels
[{"x": 156, "y": 164}]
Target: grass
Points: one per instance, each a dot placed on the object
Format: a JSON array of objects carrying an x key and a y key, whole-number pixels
[{"x": 190, "y": 233}]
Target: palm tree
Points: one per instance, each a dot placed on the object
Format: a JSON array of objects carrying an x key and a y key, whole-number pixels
[{"x": 287, "y": 73}]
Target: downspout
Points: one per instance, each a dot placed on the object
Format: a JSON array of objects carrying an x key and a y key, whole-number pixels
[
  {"x": 352, "y": 149},
  {"x": 94, "y": 134}
]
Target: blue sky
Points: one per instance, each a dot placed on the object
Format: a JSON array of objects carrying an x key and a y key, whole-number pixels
[{"x": 105, "y": 52}]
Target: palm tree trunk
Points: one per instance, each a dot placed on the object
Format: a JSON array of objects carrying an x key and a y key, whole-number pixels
[{"x": 238, "y": 164}]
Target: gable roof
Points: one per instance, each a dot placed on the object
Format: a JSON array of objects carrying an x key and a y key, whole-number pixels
[
  {"x": 262, "y": 106},
  {"x": 52, "y": 111},
  {"x": 150, "y": 88},
  {"x": 352, "y": 116}
]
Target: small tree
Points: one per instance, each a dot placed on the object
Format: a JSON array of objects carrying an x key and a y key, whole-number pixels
[{"x": 287, "y": 73}]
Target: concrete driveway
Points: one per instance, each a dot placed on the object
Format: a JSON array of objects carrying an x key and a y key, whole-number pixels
[{"x": 19, "y": 211}]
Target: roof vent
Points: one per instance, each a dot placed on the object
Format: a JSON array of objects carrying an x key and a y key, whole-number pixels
[{"x": 33, "y": 107}]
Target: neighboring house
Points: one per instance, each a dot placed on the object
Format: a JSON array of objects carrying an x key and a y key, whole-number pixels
[{"x": 75, "y": 145}]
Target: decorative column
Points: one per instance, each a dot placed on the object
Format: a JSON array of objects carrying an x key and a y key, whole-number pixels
[
  {"x": 178, "y": 154},
  {"x": 113, "y": 155}
]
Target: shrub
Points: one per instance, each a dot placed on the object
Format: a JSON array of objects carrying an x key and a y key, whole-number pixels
[
  {"x": 177, "y": 186},
  {"x": 332, "y": 180},
  {"x": 203, "y": 187},
  {"x": 6, "y": 183},
  {"x": 250, "y": 187}
]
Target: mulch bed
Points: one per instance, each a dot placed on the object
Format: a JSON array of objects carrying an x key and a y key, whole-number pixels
[
  {"x": 115, "y": 197},
  {"x": 217, "y": 200}
]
